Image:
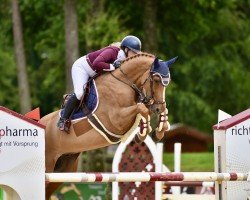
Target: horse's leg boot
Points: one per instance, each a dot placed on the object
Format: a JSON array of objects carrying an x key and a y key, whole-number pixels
[{"x": 64, "y": 122}]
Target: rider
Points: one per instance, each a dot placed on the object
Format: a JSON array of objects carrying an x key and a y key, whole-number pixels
[{"x": 106, "y": 59}]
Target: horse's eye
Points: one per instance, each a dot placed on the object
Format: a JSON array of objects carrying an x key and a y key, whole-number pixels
[{"x": 157, "y": 81}]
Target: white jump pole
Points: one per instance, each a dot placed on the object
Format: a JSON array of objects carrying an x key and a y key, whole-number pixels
[
  {"x": 177, "y": 157},
  {"x": 158, "y": 166},
  {"x": 177, "y": 165},
  {"x": 144, "y": 177},
  {"x": 19, "y": 134}
]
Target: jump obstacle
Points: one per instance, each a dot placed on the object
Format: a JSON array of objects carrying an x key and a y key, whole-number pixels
[
  {"x": 190, "y": 183},
  {"x": 151, "y": 153},
  {"x": 22, "y": 159},
  {"x": 144, "y": 177}
]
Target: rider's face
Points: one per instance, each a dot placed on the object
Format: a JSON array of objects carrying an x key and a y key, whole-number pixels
[{"x": 130, "y": 53}]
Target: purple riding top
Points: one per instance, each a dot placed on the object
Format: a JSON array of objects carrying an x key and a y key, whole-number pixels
[{"x": 101, "y": 59}]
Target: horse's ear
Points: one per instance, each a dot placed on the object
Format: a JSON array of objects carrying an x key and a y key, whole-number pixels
[
  {"x": 155, "y": 65},
  {"x": 156, "y": 61},
  {"x": 171, "y": 61}
]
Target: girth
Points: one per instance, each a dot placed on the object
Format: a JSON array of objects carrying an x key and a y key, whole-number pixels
[{"x": 111, "y": 137}]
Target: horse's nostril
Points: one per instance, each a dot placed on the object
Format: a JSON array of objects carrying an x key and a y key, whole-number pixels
[{"x": 158, "y": 110}]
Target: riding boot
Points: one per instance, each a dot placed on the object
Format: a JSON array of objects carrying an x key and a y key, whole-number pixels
[{"x": 64, "y": 122}]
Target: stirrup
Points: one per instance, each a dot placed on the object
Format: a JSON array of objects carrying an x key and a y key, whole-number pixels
[{"x": 64, "y": 125}]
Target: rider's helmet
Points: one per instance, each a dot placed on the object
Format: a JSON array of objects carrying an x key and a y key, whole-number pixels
[{"x": 131, "y": 42}]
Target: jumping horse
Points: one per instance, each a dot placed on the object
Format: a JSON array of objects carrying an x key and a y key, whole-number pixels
[{"x": 128, "y": 96}]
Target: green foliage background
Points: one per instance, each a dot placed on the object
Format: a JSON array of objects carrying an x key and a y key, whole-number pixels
[{"x": 211, "y": 38}]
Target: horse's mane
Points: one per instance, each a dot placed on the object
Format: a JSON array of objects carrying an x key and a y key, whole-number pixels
[{"x": 142, "y": 54}]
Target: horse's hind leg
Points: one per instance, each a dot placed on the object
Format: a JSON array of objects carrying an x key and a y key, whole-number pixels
[
  {"x": 66, "y": 163},
  {"x": 51, "y": 187},
  {"x": 50, "y": 161}
]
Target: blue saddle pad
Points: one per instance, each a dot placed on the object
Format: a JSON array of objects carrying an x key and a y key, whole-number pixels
[{"x": 91, "y": 101}]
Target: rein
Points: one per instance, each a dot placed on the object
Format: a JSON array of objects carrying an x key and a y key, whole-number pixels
[{"x": 142, "y": 98}]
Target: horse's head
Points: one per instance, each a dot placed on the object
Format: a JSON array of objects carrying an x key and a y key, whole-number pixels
[
  {"x": 154, "y": 86},
  {"x": 148, "y": 76}
]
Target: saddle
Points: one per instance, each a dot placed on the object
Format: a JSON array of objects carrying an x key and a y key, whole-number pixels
[{"x": 88, "y": 103}]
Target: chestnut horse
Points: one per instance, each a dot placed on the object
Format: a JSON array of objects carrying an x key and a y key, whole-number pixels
[{"x": 127, "y": 98}]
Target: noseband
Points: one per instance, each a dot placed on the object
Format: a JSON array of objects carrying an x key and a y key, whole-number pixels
[{"x": 142, "y": 98}]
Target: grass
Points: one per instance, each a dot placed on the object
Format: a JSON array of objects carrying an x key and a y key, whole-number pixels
[{"x": 191, "y": 162}]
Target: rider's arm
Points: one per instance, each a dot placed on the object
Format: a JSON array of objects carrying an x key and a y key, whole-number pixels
[{"x": 103, "y": 60}]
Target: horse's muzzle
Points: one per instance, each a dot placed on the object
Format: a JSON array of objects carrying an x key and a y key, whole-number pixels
[{"x": 157, "y": 108}]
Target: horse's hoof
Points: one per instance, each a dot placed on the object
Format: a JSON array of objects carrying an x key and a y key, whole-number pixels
[
  {"x": 137, "y": 140},
  {"x": 154, "y": 137}
]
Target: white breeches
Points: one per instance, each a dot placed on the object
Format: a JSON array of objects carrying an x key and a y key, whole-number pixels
[{"x": 81, "y": 71}]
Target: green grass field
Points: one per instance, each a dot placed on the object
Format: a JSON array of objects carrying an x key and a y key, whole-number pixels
[
  {"x": 191, "y": 162},
  {"x": 1, "y": 194}
]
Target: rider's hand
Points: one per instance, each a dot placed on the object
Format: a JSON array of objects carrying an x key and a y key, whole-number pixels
[
  {"x": 117, "y": 63},
  {"x": 111, "y": 68}
]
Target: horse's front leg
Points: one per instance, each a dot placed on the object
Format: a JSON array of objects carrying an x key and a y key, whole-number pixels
[
  {"x": 163, "y": 125},
  {"x": 145, "y": 127},
  {"x": 144, "y": 124}
]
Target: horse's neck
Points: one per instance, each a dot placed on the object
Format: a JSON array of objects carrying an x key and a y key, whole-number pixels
[{"x": 136, "y": 68}]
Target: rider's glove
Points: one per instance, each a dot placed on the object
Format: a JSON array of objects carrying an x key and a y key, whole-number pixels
[
  {"x": 117, "y": 63},
  {"x": 111, "y": 68}
]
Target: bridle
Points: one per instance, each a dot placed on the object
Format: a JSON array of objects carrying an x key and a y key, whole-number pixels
[{"x": 142, "y": 98}]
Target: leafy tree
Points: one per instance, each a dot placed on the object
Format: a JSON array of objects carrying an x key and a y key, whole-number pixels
[
  {"x": 46, "y": 49},
  {"x": 211, "y": 39},
  {"x": 71, "y": 38},
  {"x": 23, "y": 85},
  {"x": 208, "y": 38},
  {"x": 8, "y": 71}
]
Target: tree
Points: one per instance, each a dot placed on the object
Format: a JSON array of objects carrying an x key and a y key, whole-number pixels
[
  {"x": 93, "y": 13},
  {"x": 150, "y": 42},
  {"x": 23, "y": 85},
  {"x": 71, "y": 37},
  {"x": 211, "y": 39}
]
